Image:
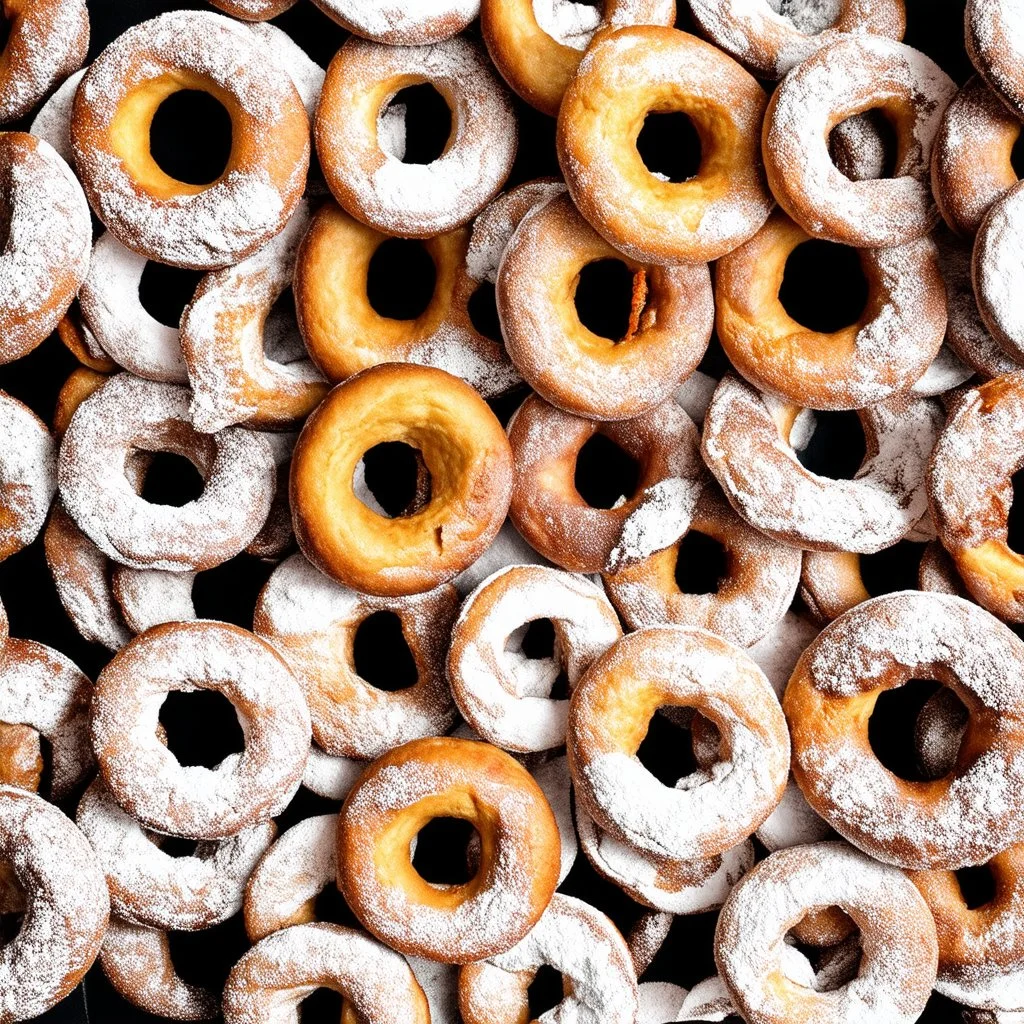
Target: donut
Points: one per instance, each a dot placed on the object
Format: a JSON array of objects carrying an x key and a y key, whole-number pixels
[
  {"x": 128, "y": 414},
  {"x": 994, "y": 37},
  {"x": 748, "y": 446},
  {"x": 253, "y": 10},
  {"x": 753, "y": 594},
  {"x": 777, "y": 654},
  {"x": 581, "y": 944},
  {"x": 312, "y": 622},
  {"x": 883, "y": 902},
  {"x": 345, "y": 334},
  {"x": 52, "y": 123},
  {"x": 992, "y": 1016},
  {"x": 537, "y": 47},
  {"x": 358, "y": 158},
  {"x": 329, "y": 776},
  {"x": 244, "y": 368},
  {"x": 570, "y": 366},
  {"x": 946, "y": 372},
  {"x": 658, "y": 1001},
  {"x": 150, "y": 597},
  {"x": 28, "y": 474},
  {"x": 995, "y": 270},
  {"x": 647, "y": 936},
  {"x": 608, "y": 718},
  {"x": 960, "y": 819},
  {"x": 970, "y": 492},
  {"x": 81, "y": 383},
  {"x": 507, "y": 548},
  {"x": 467, "y": 459},
  {"x": 196, "y": 226},
  {"x": 708, "y": 1000},
  {"x": 937, "y": 572},
  {"x": 555, "y": 783},
  {"x": 556, "y": 520},
  {"x": 882, "y": 355},
  {"x": 149, "y": 887},
  {"x": 850, "y": 75},
  {"x": 67, "y": 905},
  {"x": 82, "y": 343},
  {"x": 137, "y": 962},
  {"x": 771, "y": 41},
  {"x": 270, "y": 981},
  {"x": 624, "y": 76},
  {"x": 48, "y": 236},
  {"x": 46, "y": 41},
  {"x": 792, "y": 823},
  {"x": 146, "y": 779},
  {"x": 429, "y": 22},
  {"x": 307, "y": 76},
  {"x": 503, "y": 693},
  {"x": 519, "y": 856}
]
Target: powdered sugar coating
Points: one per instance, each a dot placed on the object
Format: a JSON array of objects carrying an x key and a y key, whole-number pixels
[
  {"x": 571, "y": 24},
  {"x": 305, "y": 73},
  {"x": 938, "y": 733},
  {"x": 946, "y": 372},
  {"x": 330, "y": 776},
  {"x": 52, "y": 123},
  {"x": 994, "y": 36},
  {"x": 507, "y": 548},
  {"x": 777, "y": 654},
  {"x": 792, "y": 823},
  {"x": 999, "y": 271},
  {"x": 408, "y": 24},
  {"x": 555, "y": 782},
  {"x": 149, "y": 597},
  {"x": 659, "y": 1001}
]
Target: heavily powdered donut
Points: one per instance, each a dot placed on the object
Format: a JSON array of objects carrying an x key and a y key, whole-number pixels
[
  {"x": 853, "y": 74},
  {"x": 555, "y": 783},
  {"x": 994, "y": 36},
  {"x": 145, "y": 777},
  {"x": 198, "y": 226},
  {"x": 313, "y": 621},
  {"x": 47, "y": 239},
  {"x": 52, "y": 123},
  {"x": 502, "y": 692},
  {"x": 998, "y": 258},
  {"x": 305, "y": 73},
  {"x": 747, "y": 446},
  {"x": 422, "y": 21},
  {"x": 329, "y": 776},
  {"x": 372, "y": 182},
  {"x": 149, "y": 597},
  {"x": 899, "y": 948},
  {"x": 962, "y": 818}
]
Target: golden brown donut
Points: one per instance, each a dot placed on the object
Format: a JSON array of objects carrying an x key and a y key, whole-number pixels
[
  {"x": 623, "y": 77},
  {"x": 466, "y": 455},
  {"x": 81, "y": 383},
  {"x": 519, "y": 850},
  {"x": 537, "y": 48},
  {"x": 883, "y": 354},
  {"x": 671, "y": 317},
  {"x": 994, "y": 36},
  {"x": 555, "y": 519},
  {"x": 80, "y": 342}
]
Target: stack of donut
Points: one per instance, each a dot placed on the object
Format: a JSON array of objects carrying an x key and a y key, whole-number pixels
[{"x": 687, "y": 678}]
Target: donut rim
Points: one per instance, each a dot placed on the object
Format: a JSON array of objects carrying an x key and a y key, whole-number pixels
[
  {"x": 994, "y": 51},
  {"x": 397, "y": 27}
]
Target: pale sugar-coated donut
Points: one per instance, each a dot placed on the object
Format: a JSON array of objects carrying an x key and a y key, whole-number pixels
[
  {"x": 149, "y": 597},
  {"x": 555, "y": 783},
  {"x": 146, "y": 779},
  {"x": 28, "y": 474},
  {"x": 658, "y": 1001},
  {"x": 422, "y": 21},
  {"x": 52, "y": 123},
  {"x": 671, "y": 317},
  {"x": 330, "y": 776},
  {"x": 997, "y": 273},
  {"x": 503, "y": 693},
  {"x": 937, "y": 572},
  {"x": 647, "y": 936},
  {"x": 994, "y": 36},
  {"x": 305, "y": 73},
  {"x": 708, "y": 1000}
]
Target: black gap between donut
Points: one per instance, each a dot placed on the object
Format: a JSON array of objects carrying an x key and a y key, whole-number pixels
[
  {"x": 666, "y": 751},
  {"x": 714, "y": 363},
  {"x": 381, "y": 654},
  {"x": 397, "y": 477},
  {"x": 178, "y": 846},
  {"x": 977, "y": 885},
  {"x": 483, "y": 311},
  {"x": 228, "y": 591},
  {"x": 837, "y": 446},
  {"x": 171, "y": 480},
  {"x": 892, "y": 723},
  {"x": 165, "y": 291},
  {"x": 5, "y": 220},
  {"x": 1017, "y": 156},
  {"x": 604, "y": 298},
  {"x": 428, "y": 124},
  {"x": 686, "y": 956},
  {"x": 1015, "y": 520},
  {"x": 503, "y": 406},
  {"x": 442, "y": 851},
  {"x": 202, "y": 727},
  {"x": 545, "y": 992},
  {"x": 892, "y": 569},
  {"x": 330, "y": 906},
  {"x": 190, "y": 137},
  {"x": 5, "y": 31},
  {"x": 701, "y": 564},
  {"x": 205, "y": 957},
  {"x": 46, "y": 776},
  {"x": 400, "y": 279},
  {"x": 887, "y": 136},
  {"x": 669, "y": 145},
  {"x": 605, "y": 473},
  {"x": 824, "y": 288}
]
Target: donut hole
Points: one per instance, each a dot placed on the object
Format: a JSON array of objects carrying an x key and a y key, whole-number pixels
[
  {"x": 834, "y": 966},
  {"x": 205, "y": 957},
  {"x": 441, "y": 851},
  {"x": 282, "y": 342},
  {"x": 415, "y": 125},
  {"x": 178, "y": 846},
  {"x": 666, "y": 751},
  {"x": 1015, "y": 520},
  {"x": 669, "y": 145},
  {"x": 536, "y": 641},
  {"x": 609, "y": 299},
  {"x": 202, "y": 727},
  {"x": 392, "y": 479},
  {"x": 977, "y": 885},
  {"x": 701, "y": 564},
  {"x": 823, "y": 286},
  {"x": 546, "y": 991},
  {"x": 320, "y": 1005},
  {"x": 381, "y": 655},
  {"x": 891, "y": 569},
  {"x": 836, "y": 447},
  {"x": 483, "y": 311},
  {"x": 877, "y": 141},
  {"x": 1017, "y": 155},
  {"x": 400, "y": 279},
  {"x": 171, "y": 479},
  {"x": 892, "y": 724},
  {"x": 606, "y": 476},
  {"x": 190, "y": 137},
  {"x": 165, "y": 291}
]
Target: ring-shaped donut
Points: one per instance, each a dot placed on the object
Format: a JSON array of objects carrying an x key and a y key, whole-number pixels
[
  {"x": 146, "y": 779},
  {"x": 996, "y": 271},
  {"x": 312, "y": 623},
  {"x": 373, "y": 183},
  {"x": 519, "y": 850},
  {"x": 671, "y": 318},
  {"x": 994, "y": 37},
  {"x": 851, "y": 75},
  {"x": 504, "y": 694},
  {"x": 557, "y": 521},
  {"x": 629, "y": 74},
  {"x": 28, "y": 475},
  {"x": 466, "y": 455},
  {"x": 746, "y": 445},
  {"x": 609, "y": 715},
  {"x": 154, "y": 214},
  {"x": 427, "y": 22},
  {"x": 961, "y": 819},
  {"x": 886, "y": 351}
]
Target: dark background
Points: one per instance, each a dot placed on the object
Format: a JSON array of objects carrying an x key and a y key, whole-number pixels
[{"x": 206, "y": 730}]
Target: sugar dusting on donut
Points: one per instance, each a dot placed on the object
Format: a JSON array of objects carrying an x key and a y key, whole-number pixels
[
  {"x": 53, "y": 122},
  {"x": 572, "y": 24},
  {"x": 999, "y": 270},
  {"x": 28, "y": 474},
  {"x": 330, "y": 776}
]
